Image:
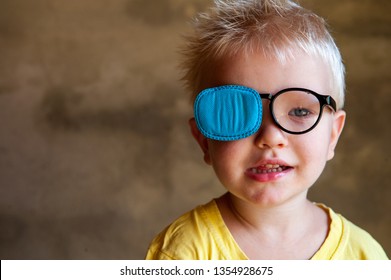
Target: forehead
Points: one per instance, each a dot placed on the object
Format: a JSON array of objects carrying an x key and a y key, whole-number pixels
[{"x": 269, "y": 75}]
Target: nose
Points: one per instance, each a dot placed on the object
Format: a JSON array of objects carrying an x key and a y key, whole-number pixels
[{"x": 269, "y": 135}]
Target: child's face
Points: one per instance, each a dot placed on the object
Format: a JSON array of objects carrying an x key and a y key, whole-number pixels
[{"x": 271, "y": 166}]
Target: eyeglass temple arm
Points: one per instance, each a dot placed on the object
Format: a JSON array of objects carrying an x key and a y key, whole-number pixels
[{"x": 331, "y": 102}]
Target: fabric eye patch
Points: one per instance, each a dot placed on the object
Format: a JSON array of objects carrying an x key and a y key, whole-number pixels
[{"x": 228, "y": 113}]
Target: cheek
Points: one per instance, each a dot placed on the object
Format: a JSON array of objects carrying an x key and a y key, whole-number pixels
[
  {"x": 311, "y": 162},
  {"x": 226, "y": 157},
  {"x": 313, "y": 150},
  {"x": 224, "y": 151}
]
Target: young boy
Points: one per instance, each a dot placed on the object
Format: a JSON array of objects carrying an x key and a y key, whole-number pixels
[{"x": 268, "y": 86}]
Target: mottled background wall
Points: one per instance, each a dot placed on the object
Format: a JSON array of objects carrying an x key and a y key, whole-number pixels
[{"x": 95, "y": 153}]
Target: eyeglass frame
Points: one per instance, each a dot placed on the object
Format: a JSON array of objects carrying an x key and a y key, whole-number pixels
[{"x": 324, "y": 100}]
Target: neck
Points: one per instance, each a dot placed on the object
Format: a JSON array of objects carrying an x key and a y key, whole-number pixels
[
  {"x": 294, "y": 230},
  {"x": 281, "y": 219}
]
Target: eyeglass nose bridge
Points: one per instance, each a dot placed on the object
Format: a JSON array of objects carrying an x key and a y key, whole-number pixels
[
  {"x": 271, "y": 97},
  {"x": 267, "y": 96}
]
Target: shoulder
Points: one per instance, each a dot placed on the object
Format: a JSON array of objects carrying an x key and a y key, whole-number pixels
[
  {"x": 188, "y": 237},
  {"x": 359, "y": 244},
  {"x": 346, "y": 240}
]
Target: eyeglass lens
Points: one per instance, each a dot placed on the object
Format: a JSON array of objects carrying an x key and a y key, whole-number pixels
[{"x": 296, "y": 111}]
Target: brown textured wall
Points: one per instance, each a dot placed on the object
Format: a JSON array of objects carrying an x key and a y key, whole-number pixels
[{"x": 95, "y": 153}]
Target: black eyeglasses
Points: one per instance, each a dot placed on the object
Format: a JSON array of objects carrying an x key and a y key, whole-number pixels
[
  {"x": 233, "y": 112},
  {"x": 297, "y": 110}
]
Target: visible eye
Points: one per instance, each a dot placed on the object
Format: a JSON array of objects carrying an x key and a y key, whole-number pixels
[{"x": 299, "y": 112}]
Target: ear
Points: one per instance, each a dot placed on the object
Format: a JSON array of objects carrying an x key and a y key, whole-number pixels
[
  {"x": 201, "y": 140},
  {"x": 336, "y": 130}
]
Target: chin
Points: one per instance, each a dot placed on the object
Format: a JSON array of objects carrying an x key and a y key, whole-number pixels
[{"x": 266, "y": 198}]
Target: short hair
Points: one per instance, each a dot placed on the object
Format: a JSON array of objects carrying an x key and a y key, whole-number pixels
[{"x": 277, "y": 28}]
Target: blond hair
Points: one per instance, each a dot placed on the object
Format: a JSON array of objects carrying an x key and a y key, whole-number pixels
[{"x": 277, "y": 28}]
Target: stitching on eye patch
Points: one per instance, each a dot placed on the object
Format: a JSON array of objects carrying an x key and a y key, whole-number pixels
[{"x": 248, "y": 132}]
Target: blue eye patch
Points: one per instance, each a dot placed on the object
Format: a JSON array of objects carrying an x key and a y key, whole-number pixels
[{"x": 228, "y": 113}]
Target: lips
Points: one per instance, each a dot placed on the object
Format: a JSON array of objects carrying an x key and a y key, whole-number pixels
[{"x": 268, "y": 170}]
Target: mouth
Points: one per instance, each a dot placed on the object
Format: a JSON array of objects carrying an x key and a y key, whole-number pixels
[{"x": 268, "y": 168}]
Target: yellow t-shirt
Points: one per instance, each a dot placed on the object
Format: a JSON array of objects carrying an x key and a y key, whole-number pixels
[{"x": 201, "y": 234}]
